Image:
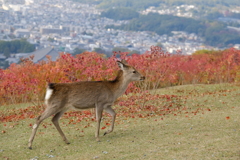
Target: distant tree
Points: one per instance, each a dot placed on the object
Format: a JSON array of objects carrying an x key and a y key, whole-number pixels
[
  {"x": 120, "y": 14},
  {"x": 6, "y": 52},
  {"x": 28, "y": 48},
  {"x": 4, "y": 64},
  {"x": 214, "y": 15},
  {"x": 16, "y": 46},
  {"x": 78, "y": 51},
  {"x": 99, "y": 50},
  {"x": 132, "y": 4},
  {"x": 160, "y": 45},
  {"x": 120, "y": 49}
]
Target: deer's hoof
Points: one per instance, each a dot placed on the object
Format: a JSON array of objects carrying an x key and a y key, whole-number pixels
[
  {"x": 98, "y": 140},
  {"x": 67, "y": 142}
]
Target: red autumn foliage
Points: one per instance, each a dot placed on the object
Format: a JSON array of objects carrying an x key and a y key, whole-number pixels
[{"x": 27, "y": 81}]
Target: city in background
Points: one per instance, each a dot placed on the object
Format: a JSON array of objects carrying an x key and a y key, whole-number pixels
[{"x": 54, "y": 26}]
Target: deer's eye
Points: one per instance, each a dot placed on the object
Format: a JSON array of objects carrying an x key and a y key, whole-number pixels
[{"x": 134, "y": 71}]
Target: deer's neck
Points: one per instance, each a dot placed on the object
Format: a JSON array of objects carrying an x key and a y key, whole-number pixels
[{"x": 120, "y": 84}]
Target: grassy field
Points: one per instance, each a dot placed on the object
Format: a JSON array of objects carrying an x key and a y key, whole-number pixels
[{"x": 206, "y": 127}]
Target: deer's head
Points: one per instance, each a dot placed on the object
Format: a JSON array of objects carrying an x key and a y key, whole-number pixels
[{"x": 129, "y": 72}]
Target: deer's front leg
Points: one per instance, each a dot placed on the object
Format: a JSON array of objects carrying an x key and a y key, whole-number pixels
[
  {"x": 99, "y": 110},
  {"x": 113, "y": 114}
]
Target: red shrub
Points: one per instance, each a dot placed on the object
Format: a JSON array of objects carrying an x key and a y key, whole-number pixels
[{"x": 27, "y": 81}]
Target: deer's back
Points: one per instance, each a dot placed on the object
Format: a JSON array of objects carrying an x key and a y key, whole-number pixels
[{"x": 80, "y": 95}]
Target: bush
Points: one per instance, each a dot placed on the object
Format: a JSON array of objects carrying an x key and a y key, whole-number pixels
[{"x": 26, "y": 82}]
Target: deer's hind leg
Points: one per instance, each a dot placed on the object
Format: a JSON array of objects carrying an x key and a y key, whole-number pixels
[
  {"x": 113, "y": 114},
  {"x": 47, "y": 113},
  {"x": 55, "y": 120}
]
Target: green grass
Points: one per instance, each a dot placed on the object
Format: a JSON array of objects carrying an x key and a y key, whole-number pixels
[{"x": 209, "y": 130}]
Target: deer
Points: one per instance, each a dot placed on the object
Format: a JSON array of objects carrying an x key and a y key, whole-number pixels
[{"x": 100, "y": 95}]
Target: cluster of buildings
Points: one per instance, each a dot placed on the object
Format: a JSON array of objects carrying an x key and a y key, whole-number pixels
[
  {"x": 181, "y": 11},
  {"x": 65, "y": 25}
]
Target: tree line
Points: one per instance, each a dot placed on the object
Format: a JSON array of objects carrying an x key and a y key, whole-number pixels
[
  {"x": 120, "y": 14},
  {"x": 215, "y": 33},
  {"x": 16, "y": 46}
]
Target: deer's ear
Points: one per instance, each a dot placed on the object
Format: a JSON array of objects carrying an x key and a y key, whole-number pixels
[
  {"x": 124, "y": 61},
  {"x": 121, "y": 65}
]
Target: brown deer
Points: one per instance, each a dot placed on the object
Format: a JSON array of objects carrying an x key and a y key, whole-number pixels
[{"x": 85, "y": 95}]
